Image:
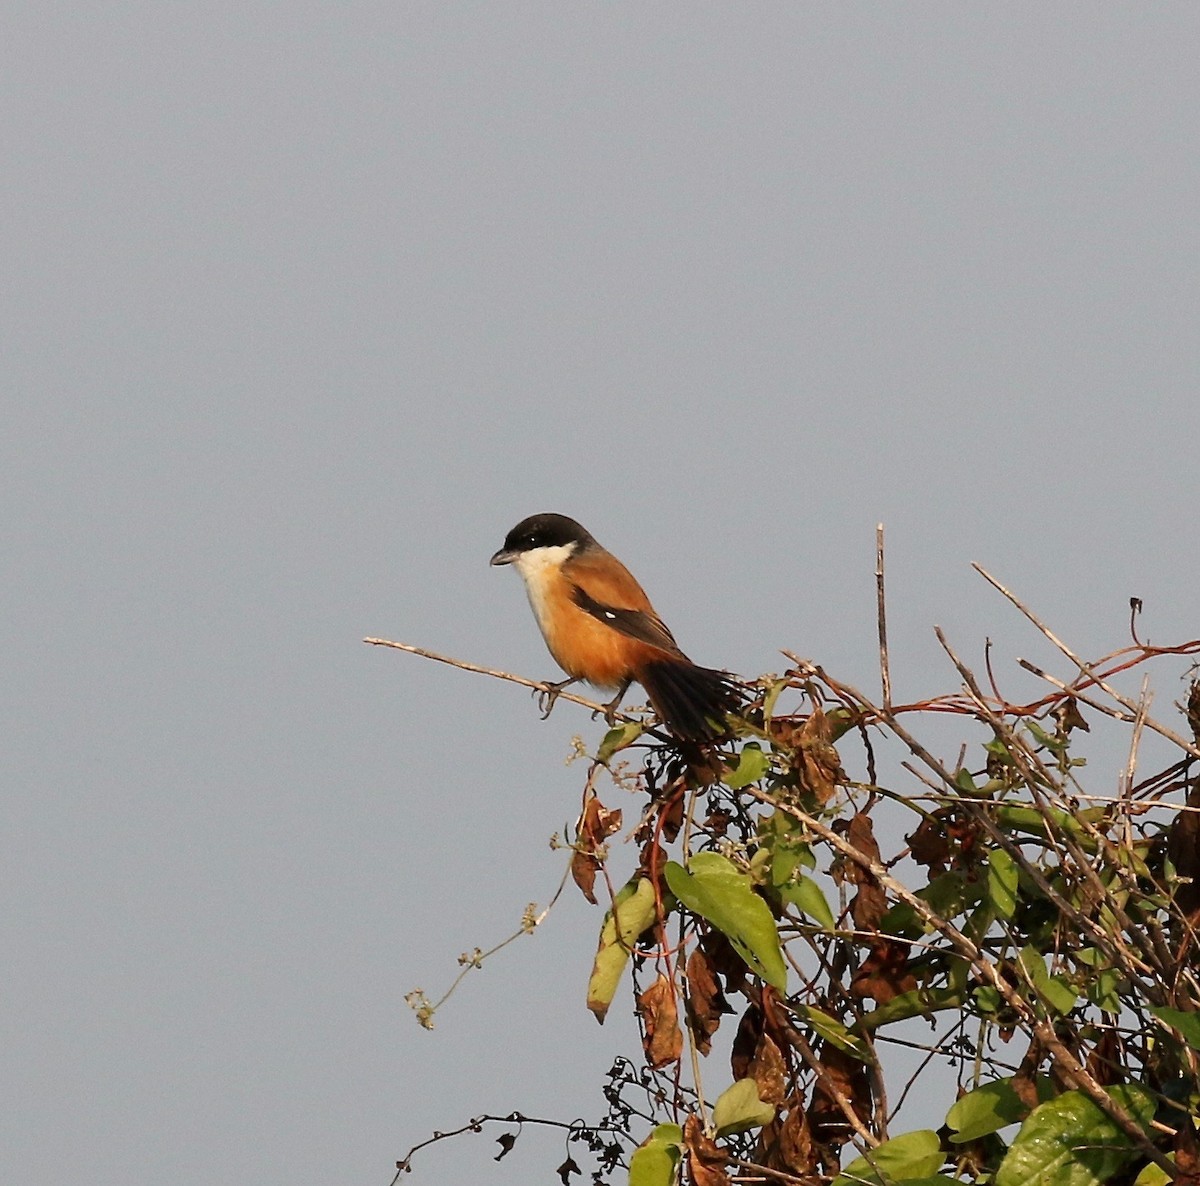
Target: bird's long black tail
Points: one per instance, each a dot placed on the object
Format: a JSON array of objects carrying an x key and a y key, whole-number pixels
[{"x": 692, "y": 701}]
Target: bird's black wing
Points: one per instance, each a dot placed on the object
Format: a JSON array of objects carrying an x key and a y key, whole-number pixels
[{"x": 634, "y": 623}]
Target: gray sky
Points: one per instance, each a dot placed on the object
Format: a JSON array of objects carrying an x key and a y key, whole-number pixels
[{"x": 303, "y": 306}]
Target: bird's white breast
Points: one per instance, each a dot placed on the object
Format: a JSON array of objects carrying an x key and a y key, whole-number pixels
[{"x": 539, "y": 568}]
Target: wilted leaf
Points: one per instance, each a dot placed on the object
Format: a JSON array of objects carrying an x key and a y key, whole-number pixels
[
  {"x": 506, "y": 1141},
  {"x": 929, "y": 844},
  {"x": 706, "y": 1159},
  {"x": 597, "y": 824},
  {"x": 705, "y": 1001},
  {"x": 795, "y": 1144},
  {"x": 911, "y": 1155},
  {"x": 654, "y": 1161},
  {"x": 820, "y": 766},
  {"x": 843, "y": 1082},
  {"x": 663, "y": 1040},
  {"x": 1183, "y": 849},
  {"x": 565, "y": 1171},
  {"x": 769, "y": 1071},
  {"x": 633, "y": 911},
  {"x": 1187, "y": 1157},
  {"x": 725, "y": 961},
  {"x": 739, "y": 1109},
  {"x": 869, "y": 905},
  {"x": 1071, "y": 1142},
  {"x": 1104, "y": 1062},
  {"x": 745, "y": 1042},
  {"x": 714, "y": 888},
  {"x": 670, "y": 818},
  {"x": 1069, "y": 717},
  {"x": 884, "y": 973}
]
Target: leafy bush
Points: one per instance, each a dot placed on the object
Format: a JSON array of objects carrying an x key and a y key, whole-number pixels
[{"x": 1019, "y": 968}]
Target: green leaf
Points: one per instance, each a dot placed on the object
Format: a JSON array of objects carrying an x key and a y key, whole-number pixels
[
  {"x": 1152, "y": 1175},
  {"x": 833, "y": 1032},
  {"x": 1053, "y": 990},
  {"x": 806, "y": 894},
  {"x": 912, "y": 1155},
  {"x": 656, "y": 1159},
  {"x": 753, "y": 763},
  {"x": 634, "y": 908},
  {"x": 1002, "y": 883},
  {"x": 617, "y": 738},
  {"x": 1069, "y": 1141},
  {"x": 713, "y": 887},
  {"x": 783, "y": 864},
  {"x": 1037, "y": 821},
  {"x": 738, "y": 1109},
  {"x": 985, "y": 1110},
  {"x": 772, "y": 698},
  {"x": 965, "y": 782},
  {"x": 1103, "y": 990},
  {"x": 933, "y": 1180},
  {"x": 1188, "y": 1024},
  {"x": 1054, "y": 744},
  {"x": 918, "y": 1002}
]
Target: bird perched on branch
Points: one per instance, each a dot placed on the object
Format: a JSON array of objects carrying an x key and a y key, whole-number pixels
[{"x": 600, "y": 627}]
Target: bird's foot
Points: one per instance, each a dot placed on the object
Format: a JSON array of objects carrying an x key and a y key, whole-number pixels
[
  {"x": 548, "y": 693},
  {"x": 610, "y": 709}
]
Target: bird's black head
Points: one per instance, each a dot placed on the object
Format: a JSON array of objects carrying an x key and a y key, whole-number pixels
[{"x": 542, "y": 531}]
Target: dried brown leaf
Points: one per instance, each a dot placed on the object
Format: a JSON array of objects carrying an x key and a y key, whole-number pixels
[
  {"x": 597, "y": 824},
  {"x": 745, "y": 1042},
  {"x": 1104, "y": 1062},
  {"x": 1187, "y": 1154},
  {"x": 820, "y": 767},
  {"x": 1069, "y": 717},
  {"x": 705, "y": 1001},
  {"x": 1024, "y": 1081},
  {"x": 663, "y": 1039},
  {"x": 1183, "y": 849},
  {"x": 724, "y": 959},
  {"x": 884, "y": 973},
  {"x": 794, "y": 1150},
  {"x": 861, "y": 834},
  {"x": 868, "y": 906},
  {"x": 929, "y": 844},
  {"x": 706, "y": 1159},
  {"x": 843, "y": 1081},
  {"x": 672, "y": 818},
  {"x": 769, "y": 1072}
]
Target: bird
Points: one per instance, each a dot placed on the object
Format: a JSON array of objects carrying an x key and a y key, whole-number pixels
[{"x": 600, "y": 627}]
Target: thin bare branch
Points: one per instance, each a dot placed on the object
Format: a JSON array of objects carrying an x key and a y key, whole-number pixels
[
  {"x": 885, "y": 673},
  {"x": 536, "y": 685},
  {"x": 1087, "y": 669}
]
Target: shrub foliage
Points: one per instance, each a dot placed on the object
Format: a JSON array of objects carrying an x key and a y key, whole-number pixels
[{"x": 854, "y": 961}]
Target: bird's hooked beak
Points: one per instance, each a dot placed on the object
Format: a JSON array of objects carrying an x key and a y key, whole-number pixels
[{"x": 504, "y": 557}]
